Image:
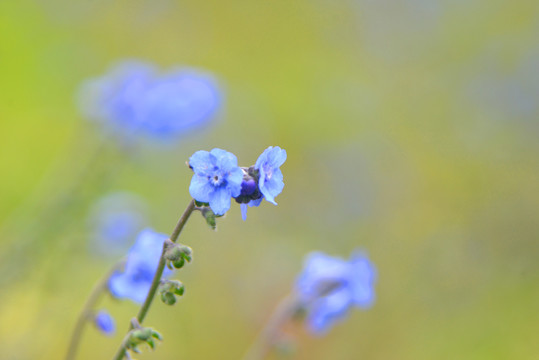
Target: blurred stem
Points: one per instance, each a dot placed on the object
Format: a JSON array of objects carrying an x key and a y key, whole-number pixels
[
  {"x": 87, "y": 310},
  {"x": 265, "y": 340},
  {"x": 158, "y": 274}
]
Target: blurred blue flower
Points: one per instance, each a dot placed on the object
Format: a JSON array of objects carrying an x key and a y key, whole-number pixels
[
  {"x": 134, "y": 98},
  {"x": 134, "y": 281},
  {"x": 216, "y": 180},
  {"x": 329, "y": 286},
  {"x": 105, "y": 323},
  {"x": 114, "y": 220},
  {"x": 270, "y": 178}
]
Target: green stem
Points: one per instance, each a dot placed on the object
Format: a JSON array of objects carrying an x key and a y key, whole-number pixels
[
  {"x": 158, "y": 274},
  {"x": 87, "y": 310},
  {"x": 267, "y": 337}
]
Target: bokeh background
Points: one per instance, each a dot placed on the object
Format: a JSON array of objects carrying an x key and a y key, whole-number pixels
[{"x": 411, "y": 128}]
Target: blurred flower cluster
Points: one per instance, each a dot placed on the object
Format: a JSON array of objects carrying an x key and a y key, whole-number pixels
[
  {"x": 329, "y": 286},
  {"x": 135, "y": 99}
]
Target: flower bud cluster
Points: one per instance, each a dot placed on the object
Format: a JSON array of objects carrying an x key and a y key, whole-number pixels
[
  {"x": 177, "y": 254},
  {"x": 169, "y": 289},
  {"x": 142, "y": 335}
]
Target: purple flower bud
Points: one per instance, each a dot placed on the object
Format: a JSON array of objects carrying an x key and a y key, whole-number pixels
[
  {"x": 105, "y": 323},
  {"x": 248, "y": 187}
]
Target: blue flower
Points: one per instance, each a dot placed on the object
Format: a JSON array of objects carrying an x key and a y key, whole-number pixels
[
  {"x": 270, "y": 179},
  {"x": 114, "y": 221},
  {"x": 134, "y": 281},
  {"x": 134, "y": 98},
  {"x": 105, "y": 323},
  {"x": 178, "y": 102},
  {"x": 329, "y": 286},
  {"x": 216, "y": 180}
]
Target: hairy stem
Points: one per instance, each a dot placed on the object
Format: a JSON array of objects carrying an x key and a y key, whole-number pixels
[
  {"x": 267, "y": 337},
  {"x": 87, "y": 310},
  {"x": 158, "y": 273}
]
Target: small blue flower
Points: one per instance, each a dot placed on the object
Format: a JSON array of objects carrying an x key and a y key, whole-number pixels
[
  {"x": 329, "y": 286},
  {"x": 105, "y": 323},
  {"x": 114, "y": 221},
  {"x": 134, "y": 281},
  {"x": 135, "y": 98},
  {"x": 270, "y": 179},
  {"x": 216, "y": 180}
]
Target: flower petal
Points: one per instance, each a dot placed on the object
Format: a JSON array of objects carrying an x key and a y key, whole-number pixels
[
  {"x": 220, "y": 201},
  {"x": 200, "y": 188},
  {"x": 362, "y": 279},
  {"x": 200, "y": 162},
  {"x": 234, "y": 180},
  {"x": 262, "y": 158},
  {"x": 255, "y": 202},
  {"x": 243, "y": 208},
  {"x": 225, "y": 160},
  {"x": 276, "y": 157},
  {"x": 327, "y": 310},
  {"x": 273, "y": 187}
]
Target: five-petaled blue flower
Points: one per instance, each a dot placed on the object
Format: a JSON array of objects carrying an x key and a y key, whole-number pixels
[
  {"x": 216, "y": 180},
  {"x": 329, "y": 286},
  {"x": 134, "y": 98},
  {"x": 270, "y": 178},
  {"x": 105, "y": 323},
  {"x": 134, "y": 281}
]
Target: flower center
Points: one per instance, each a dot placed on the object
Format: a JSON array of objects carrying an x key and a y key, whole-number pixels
[
  {"x": 269, "y": 171},
  {"x": 216, "y": 179}
]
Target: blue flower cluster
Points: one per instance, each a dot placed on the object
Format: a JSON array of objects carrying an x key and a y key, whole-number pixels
[
  {"x": 134, "y": 281},
  {"x": 134, "y": 98},
  {"x": 218, "y": 179},
  {"x": 105, "y": 323},
  {"x": 329, "y": 286}
]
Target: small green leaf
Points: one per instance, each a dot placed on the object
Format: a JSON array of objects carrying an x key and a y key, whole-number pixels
[{"x": 157, "y": 335}]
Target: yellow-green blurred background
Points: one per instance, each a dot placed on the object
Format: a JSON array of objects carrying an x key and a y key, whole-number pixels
[{"x": 411, "y": 128}]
